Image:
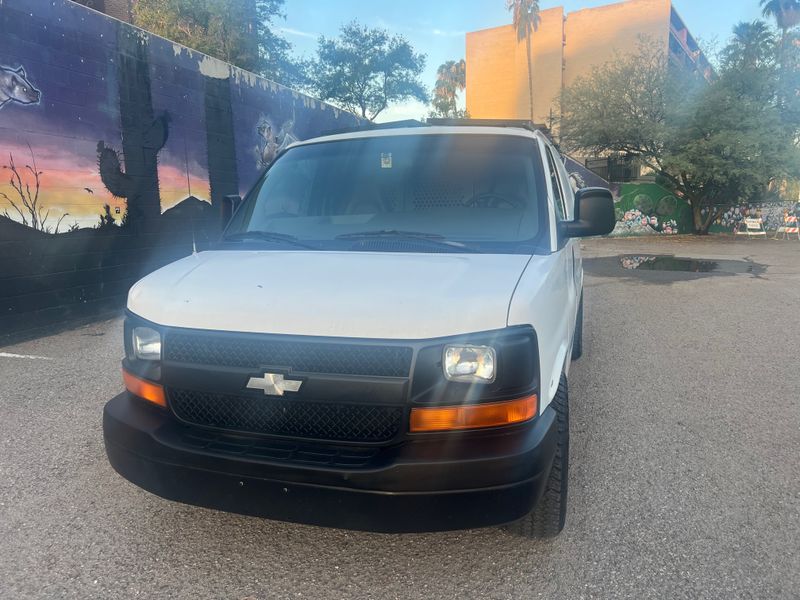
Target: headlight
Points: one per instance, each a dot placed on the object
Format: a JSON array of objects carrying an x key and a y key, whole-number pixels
[
  {"x": 473, "y": 364},
  {"x": 146, "y": 343}
]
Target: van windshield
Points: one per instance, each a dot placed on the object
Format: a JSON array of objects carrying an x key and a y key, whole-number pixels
[{"x": 457, "y": 192}]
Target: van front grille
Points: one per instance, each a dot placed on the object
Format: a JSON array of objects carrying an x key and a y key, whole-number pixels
[
  {"x": 256, "y": 351},
  {"x": 292, "y": 418}
]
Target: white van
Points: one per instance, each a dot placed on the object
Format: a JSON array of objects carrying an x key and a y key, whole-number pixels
[{"x": 381, "y": 340}]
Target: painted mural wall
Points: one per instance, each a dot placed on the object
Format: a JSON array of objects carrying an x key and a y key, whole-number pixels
[
  {"x": 646, "y": 208},
  {"x": 116, "y": 149},
  {"x": 772, "y": 215},
  {"x": 641, "y": 208}
]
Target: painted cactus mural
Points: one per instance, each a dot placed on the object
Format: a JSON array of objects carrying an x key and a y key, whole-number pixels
[
  {"x": 143, "y": 136},
  {"x": 223, "y": 175},
  {"x": 133, "y": 137}
]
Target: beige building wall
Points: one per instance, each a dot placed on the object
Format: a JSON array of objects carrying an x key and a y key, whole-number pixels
[
  {"x": 497, "y": 70},
  {"x": 563, "y": 49},
  {"x": 594, "y": 35}
]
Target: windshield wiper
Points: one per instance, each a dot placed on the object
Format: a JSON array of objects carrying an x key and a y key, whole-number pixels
[
  {"x": 389, "y": 233},
  {"x": 432, "y": 238},
  {"x": 267, "y": 236}
]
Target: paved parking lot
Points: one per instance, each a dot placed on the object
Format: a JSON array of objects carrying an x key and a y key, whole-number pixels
[{"x": 685, "y": 466}]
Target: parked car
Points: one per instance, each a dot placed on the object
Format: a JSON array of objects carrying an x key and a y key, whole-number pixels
[{"x": 380, "y": 341}]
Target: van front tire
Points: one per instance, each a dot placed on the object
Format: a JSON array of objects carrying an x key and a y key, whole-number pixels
[{"x": 547, "y": 518}]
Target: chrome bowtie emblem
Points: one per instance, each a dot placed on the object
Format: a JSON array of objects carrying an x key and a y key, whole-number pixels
[{"x": 274, "y": 384}]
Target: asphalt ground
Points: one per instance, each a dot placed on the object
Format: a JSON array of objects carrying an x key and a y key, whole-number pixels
[{"x": 684, "y": 480}]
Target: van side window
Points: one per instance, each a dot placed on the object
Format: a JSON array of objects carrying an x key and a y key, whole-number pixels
[{"x": 555, "y": 180}]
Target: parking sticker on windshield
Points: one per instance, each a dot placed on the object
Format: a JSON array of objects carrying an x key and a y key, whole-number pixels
[{"x": 386, "y": 160}]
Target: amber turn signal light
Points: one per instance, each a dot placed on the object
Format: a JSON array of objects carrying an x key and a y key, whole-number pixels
[
  {"x": 473, "y": 416},
  {"x": 151, "y": 392}
]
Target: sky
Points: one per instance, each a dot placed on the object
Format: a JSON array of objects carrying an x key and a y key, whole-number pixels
[{"x": 437, "y": 27}]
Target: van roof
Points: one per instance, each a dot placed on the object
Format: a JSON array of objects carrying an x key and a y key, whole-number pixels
[{"x": 517, "y": 131}]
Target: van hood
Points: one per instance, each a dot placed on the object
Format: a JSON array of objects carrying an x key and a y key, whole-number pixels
[{"x": 342, "y": 294}]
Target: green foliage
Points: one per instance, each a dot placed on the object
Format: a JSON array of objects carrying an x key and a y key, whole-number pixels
[
  {"x": 752, "y": 46},
  {"x": 451, "y": 78},
  {"x": 785, "y": 12},
  {"x": 237, "y": 31},
  {"x": 365, "y": 70},
  {"x": 716, "y": 144},
  {"x": 789, "y": 77}
]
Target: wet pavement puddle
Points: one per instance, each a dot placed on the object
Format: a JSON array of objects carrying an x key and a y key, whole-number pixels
[
  {"x": 654, "y": 262},
  {"x": 665, "y": 269}
]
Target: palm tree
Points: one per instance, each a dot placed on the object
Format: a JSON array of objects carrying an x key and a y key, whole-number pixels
[
  {"x": 753, "y": 45},
  {"x": 785, "y": 12},
  {"x": 526, "y": 21},
  {"x": 787, "y": 15},
  {"x": 451, "y": 78}
]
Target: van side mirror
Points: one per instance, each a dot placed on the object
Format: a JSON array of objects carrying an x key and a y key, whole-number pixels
[
  {"x": 230, "y": 204},
  {"x": 594, "y": 213}
]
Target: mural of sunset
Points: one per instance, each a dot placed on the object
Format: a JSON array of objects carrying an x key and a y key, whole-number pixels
[
  {"x": 167, "y": 113},
  {"x": 95, "y": 113}
]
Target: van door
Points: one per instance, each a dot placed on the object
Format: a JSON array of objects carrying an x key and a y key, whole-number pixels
[
  {"x": 575, "y": 244},
  {"x": 568, "y": 253}
]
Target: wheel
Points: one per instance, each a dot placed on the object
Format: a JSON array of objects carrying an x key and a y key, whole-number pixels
[
  {"x": 577, "y": 338},
  {"x": 547, "y": 518}
]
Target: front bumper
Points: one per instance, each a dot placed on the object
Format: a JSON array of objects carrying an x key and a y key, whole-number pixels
[{"x": 430, "y": 482}]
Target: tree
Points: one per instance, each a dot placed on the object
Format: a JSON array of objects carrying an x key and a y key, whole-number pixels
[
  {"x": 27, "y": 202},
  {"x": 235, "y": 31},
  {"x": 526, "y": 20},
  {"x": 785, "y": 12},
  {"x": 789, "y": 93},
  {"x": 752, "y": 44},
  {"x": 451, "y": 78},
  {"x": 365, "y": 70},
  {"x": 716, "y": 145}
]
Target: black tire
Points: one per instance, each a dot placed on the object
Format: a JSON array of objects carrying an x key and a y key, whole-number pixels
[
  {"x": 547, "y": 518},
  {"x": 577, "y": 338}
]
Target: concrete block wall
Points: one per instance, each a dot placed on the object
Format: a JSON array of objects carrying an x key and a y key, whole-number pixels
[{"x": 106, "y": 114}]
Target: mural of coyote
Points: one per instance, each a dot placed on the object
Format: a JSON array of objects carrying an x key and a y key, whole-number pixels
[{"x": 15, "y": 87}]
